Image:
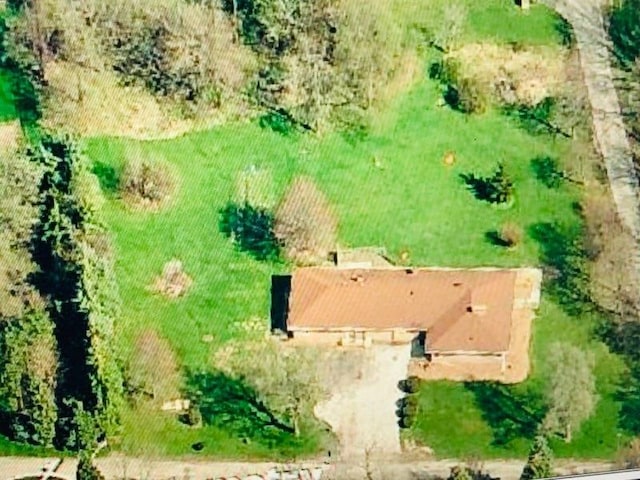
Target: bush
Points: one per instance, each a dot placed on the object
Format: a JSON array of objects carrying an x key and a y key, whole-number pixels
[
  {"x": 510, "y": 234},
  {"x": 153, "y": 368},
  {"x": 87, "y": 470},
  {"x": 173, "y": 282},
  {"x": 147, "y": 182},
  {"x": 410, "y": 385},
  {"x": 467, "y": 96},
  {"x": 251, "y": 229},
  {"x": 461, "y": 93},
  {"x": 194, "y": 416},
  {"x": 548, "y": 171},
  {"x": 305, "y": 223}
]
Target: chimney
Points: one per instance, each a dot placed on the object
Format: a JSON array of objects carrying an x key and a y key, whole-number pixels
[{"x": 478, "y": 309}]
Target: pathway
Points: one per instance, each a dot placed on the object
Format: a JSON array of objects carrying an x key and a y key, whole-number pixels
[{"x": 609, "y": 130}]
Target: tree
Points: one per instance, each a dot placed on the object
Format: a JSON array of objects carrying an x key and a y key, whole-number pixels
[
  {"x": 571, "y": 395},
  {"x": 448, "y": 32},
  {"x": 153, "y": 368},
  {"x": 286, "y": 380},
  {"x": 87, "y": 470},
  {"x": 28, "y": 377},
  {"x": 72, "y": 250},
  {"x": 624, "y": 29},
  {"x": 539, "y": 463},
  {"x": 18, "y": 214},
  {"x": 305, "y": 223}
]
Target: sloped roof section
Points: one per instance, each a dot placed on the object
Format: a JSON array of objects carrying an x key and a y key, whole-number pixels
[{"x": 461, "y": 310}]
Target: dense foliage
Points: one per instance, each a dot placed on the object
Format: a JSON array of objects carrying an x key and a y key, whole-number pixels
[{"x": 59, "y": 373}]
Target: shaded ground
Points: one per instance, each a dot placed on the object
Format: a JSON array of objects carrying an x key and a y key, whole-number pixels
[{"x": 362, "y": 409}]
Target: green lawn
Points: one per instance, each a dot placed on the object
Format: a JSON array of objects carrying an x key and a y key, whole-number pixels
[
  {"x": 413, "y": 202},
  {"x": 457, "y": 420},
  {"x": 491, "y": 20}
]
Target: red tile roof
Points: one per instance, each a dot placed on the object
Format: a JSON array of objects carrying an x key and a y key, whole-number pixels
[{"x": 468, "y": 310}]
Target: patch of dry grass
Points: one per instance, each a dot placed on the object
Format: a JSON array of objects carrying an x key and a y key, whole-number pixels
[
  {"x": 10, "y": 136},
  {"x": 533, "y": 72},
  {"x": 174, "y": 282},
  {"x": 93, "y": 103}
]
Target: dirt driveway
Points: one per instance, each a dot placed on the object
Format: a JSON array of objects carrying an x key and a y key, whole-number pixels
[{"x": 364, "y": 388}]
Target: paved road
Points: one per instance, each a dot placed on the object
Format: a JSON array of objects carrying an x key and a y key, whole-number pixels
[
  {"x": 116, "y": 467},
  {"x": 611, "y": 138}
]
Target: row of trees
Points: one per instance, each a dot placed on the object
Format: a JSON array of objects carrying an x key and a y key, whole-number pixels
[{"x": 60, "y": 382}]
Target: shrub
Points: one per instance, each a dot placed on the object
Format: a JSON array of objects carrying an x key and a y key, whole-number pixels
[
  {"x": 462, "y": 93},
  {"x": 87, "y": 470},
  {"x": 173, "y": 282},
  {"x": 146, "y": 182},
  {"x": 194, "y": 416},
  {"x": 548, "y": 171},
  {"x": 251, "y": 229},
  {"x": 305, "y": 223},
  {"x": 624, "y": 29},
  {"x": 410, "y": 385},
  {"x": 510, "y": 234},
  {"x": 469, "y": 96}
]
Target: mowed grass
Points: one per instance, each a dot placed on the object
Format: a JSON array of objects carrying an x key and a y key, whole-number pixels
[
  {"x": 456, "y": 422},
  {"x": 410, "y": 201},
  {"x": 499, "y": 21}
]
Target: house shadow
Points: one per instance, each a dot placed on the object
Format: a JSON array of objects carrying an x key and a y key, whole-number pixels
[{"x": 280, "y": 291}]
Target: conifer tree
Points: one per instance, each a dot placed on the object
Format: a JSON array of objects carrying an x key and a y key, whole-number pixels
[{"x": 539, "y": 463}]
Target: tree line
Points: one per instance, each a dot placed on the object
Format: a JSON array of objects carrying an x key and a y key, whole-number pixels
[
  {"x": 60, "y": 382},
  {"x": 310, "y": 64}
]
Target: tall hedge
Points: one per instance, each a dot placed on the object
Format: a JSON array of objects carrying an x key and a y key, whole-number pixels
[{"x": 76, "y": 274}]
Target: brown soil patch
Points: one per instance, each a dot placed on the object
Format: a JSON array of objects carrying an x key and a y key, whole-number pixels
[
  {"x": 532, "y": 73},
  {"x": 91, "y": 103},
  {"x": 173, "y": 282},
  {"x": 477, "y": 368}
]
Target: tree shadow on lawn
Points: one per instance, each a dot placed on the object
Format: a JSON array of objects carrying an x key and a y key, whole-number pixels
[
  {"x": 510, "y": 415},
  {"x": 107, "y": 176},
  {"x": 623, "y": 338},
  {"x": 564, "y": 259},
  {"x": 231, "y": 404}
]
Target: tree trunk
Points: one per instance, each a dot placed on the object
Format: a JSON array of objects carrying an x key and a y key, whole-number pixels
[{"x": 568, "y": 434}]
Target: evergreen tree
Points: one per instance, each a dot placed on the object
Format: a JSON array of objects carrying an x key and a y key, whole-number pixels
[
  {"x": 76, "y": 273},
  {"x": 539, "y": 463}
]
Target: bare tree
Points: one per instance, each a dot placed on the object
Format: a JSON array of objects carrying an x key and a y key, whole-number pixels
[
  {"x": 153, "y": 368},
  {"x": 305, "y": 223},
  {"x": 571, "y": 394}
]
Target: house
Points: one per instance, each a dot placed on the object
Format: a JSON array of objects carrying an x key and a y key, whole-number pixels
[{"x": 440, "y": 312}]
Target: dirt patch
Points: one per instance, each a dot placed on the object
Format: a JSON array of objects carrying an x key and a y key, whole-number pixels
[
  {"x": 364, "y": 391},
  {"x": 530, "y": 73}
]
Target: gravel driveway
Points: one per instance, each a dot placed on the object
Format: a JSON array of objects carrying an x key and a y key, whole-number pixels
[{"x": 361, "y": 410}]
